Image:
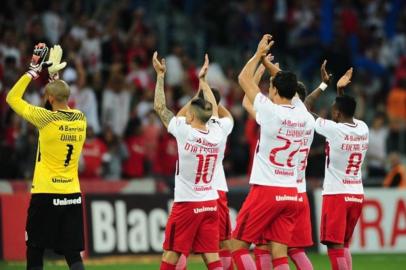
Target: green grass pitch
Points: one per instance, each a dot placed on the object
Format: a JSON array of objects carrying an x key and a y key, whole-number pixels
[{"x": 320, "y": 262}]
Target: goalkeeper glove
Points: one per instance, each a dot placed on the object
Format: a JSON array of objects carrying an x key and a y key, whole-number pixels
[
  {"x": 38, "y": 60},
  {"x": 55, "y": 57}
]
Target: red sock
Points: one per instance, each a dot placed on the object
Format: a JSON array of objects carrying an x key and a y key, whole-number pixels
[
  {"x": 262, "y": 259},
  {"x": 300, "y": 259},
  {"x": 337, "y": 259},
  {"x": 243, "y": 259},
  {"x": 348, "y": 258},
  {"x": 167, "y": 266},
  {"x": 215, "y": 266},
  {"x": 226, "y": 260},
  {"x": 181, "y": 265},
  {"x": 280, "y": 263}
]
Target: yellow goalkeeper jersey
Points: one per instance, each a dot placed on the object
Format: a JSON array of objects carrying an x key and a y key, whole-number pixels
[{"x": 61, "y": 137}]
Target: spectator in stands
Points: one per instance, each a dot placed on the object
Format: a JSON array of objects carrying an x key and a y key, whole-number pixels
[
  {"x": 115, "y": 155},
  {"x": 53, "y": 23},
  {"x": 116, "y": 104},
  {"x": 26, "y": 152},
  {"x": 166, "y": 158},
  {"x": 397, "y": 175},
  {"x": 252, "y": 136},
  {"x": 151, "y": 129},
  {"x": 91, "y": 49},
  {"x": 133, "y": 166},
  {"x": 396, "y": 105},
  {"x": 83, "y": 96},
  {"x": 396, "y": 108},
  {"x": 93, "y": 153},
  {"x": 377, "y": 154},
  {"x": 115, "y": 41}
]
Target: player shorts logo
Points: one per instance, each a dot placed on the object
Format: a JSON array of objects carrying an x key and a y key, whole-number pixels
[
  {"x": 279, "y": 198},
  {"x": 205, "y": 209},
  {"x": 353, "y": 199},
  {"x": 66, "y": 201}
]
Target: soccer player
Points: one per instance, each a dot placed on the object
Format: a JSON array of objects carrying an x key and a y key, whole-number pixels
[
  {"x": 270, "y": 207},
  {"x": 302, "y": 232},
  {"x": 225, "y": 119},
  {"x": 220, "y": 184},
  {"x": 55, "y": 218},
  {"x": 346, "y": 146},
  {"x": 193, "y": 222}
]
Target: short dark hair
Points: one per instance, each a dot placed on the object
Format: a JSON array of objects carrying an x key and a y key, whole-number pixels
[
  {"x": 301, "y": 90},
  {"x": 202, "y": 108},
  {"x": 346, "y": 105},
  {"x": 286, "y": 84},
  {"x": 215, "y": 92}
]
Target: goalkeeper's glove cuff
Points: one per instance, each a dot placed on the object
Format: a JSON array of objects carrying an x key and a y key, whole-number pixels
[{"x": 33, "y": 74}]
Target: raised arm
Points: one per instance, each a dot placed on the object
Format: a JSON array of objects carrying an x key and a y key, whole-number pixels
[
  {"x": 271, "y": 67},
  {"x": 248, "y": 107},
  {"x": 204, "y": 86},
  {"x": 344, "y": 81},
  {"x": 15, "y": 95},
  {"x": 316, "y": 93},
  {"x": 159, "y": 100},
  {"x": 246, "y": 78},
  {"x": 223, "y": 112},
  {"x": 259, "y": 73}
]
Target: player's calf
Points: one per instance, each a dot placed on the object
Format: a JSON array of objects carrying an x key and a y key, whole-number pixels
[
  {"x": 212, "y": 261},
  {"x": 337, "y": 257},
  {"x": 35, "y": 259},
  {"x": 169, "y": 260},
  {"x": 263, "y": 257},
  {"x": 300, "y": 259},
  {"x": 279, "y": 256},
  {"x": 74, "y": 260},
  {"x": 241, "y": 255},
  {"x": 182, "y": 262},
  {"x": 225, "y": 254}
]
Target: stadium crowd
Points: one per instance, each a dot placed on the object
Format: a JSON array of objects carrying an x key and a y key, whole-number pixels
[{"x": 109, "y": 44}]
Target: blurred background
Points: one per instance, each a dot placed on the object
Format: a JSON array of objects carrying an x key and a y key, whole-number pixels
[{"x": 109, "y": 44}]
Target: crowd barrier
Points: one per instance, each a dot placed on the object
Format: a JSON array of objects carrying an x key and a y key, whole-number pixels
[{"x": 132, "y": 223}]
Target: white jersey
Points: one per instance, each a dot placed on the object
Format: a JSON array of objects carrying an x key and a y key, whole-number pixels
[
  {"x": 197, "y": 159},
  {"x": 305, "y": 148},
  {"x": 220, "y": 182},
  {"x": 346, "y": 146},
  {"x": 281, "y": 135}
]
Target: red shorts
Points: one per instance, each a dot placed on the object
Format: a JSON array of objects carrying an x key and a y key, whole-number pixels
[
  {"x": 339, "y": 215},
  {"x": 193, "y": 226},
  {"x": 302, "y": 232},
  {"x": 267, "y": 213},
  {"x": 224, "y": 216}
]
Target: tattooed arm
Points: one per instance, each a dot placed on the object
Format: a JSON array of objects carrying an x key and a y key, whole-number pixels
[{"x": 159, "y": 100}]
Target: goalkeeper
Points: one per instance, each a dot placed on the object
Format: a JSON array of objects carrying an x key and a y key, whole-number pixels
[{"x": 55, "y": 218}]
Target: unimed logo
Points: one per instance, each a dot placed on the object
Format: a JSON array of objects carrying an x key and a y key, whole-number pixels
[{"x": 118, "y": 229}]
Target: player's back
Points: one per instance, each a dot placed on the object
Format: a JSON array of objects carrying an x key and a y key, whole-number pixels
[
  {"x": 346, "y": 146},
  {"x": 220, "y": 182},
  {"x": 198, "y": 153},
  {"x": 61, "y": 137},
  {"x": 281, "y": 134},
  {"x": 304, "y": 151}
]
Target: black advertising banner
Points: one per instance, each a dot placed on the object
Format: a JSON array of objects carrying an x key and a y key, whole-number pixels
[{"x": 124, "y": 224}]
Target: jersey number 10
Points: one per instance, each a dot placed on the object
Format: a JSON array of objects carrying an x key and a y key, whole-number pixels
[{"x": 203, "y": 167}]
